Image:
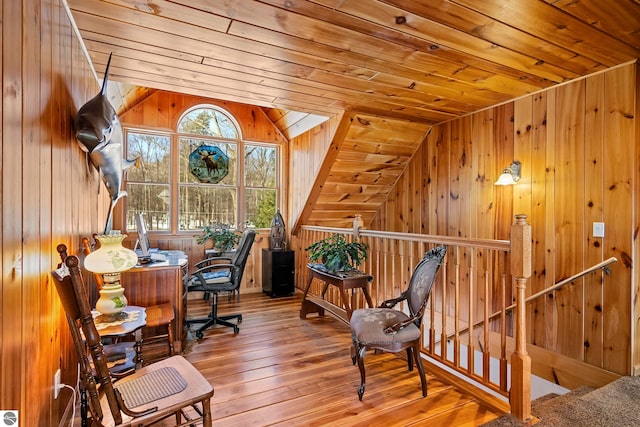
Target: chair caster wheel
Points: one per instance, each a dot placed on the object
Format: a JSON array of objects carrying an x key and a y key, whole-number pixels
[
  {"x": 360, "y": 391},
  {"x": 236, "y": 329},
  {"x": 199, "y": 334},
  {"x": 239, "y": 319}
]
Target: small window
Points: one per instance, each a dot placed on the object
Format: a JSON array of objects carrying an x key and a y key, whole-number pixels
[
  {"x": 207, "y": 121},
  {"x": 260, "y": 184},
  {"x": 148, "y": 185}
]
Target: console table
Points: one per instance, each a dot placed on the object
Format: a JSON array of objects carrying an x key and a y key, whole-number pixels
[
  {"x": 158, "y": 283},
  {"x": 343, "y": 281}
]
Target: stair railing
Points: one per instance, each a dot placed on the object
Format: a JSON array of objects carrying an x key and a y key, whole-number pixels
[
  {"x": 602, "y": 265},
  {"x": 474, "y": 269}
]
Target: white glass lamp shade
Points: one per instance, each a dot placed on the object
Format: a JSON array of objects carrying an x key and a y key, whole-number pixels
[{"x": 111, "y": 259}]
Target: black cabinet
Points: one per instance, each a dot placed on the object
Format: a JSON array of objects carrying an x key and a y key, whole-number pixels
[{"x": 278, "y": 272}]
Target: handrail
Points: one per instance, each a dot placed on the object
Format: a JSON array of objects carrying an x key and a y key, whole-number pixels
[
  {"x": 558, "y": 285},
  {"x": 501, "y": 245}
]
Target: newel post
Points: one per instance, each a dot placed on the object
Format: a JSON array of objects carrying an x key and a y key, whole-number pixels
[{"x": 520, "y": 395}]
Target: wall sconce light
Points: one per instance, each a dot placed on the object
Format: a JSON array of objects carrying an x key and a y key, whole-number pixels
[
  {"x": 110, "y": 260},
  {"x": 510, "y": 175}
]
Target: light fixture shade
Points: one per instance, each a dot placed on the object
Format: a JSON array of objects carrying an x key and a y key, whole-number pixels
[
  {"x": 111, "y": 257},
  {"x": 505, "y": 178},
  {"x": 510, "y": 175}
]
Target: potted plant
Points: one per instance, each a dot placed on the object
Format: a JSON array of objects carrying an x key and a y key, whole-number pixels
[
  {"x": 335, "y": 253},
  {"x": 223, "y": 237}
]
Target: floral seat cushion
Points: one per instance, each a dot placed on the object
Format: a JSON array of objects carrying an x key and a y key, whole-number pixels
[{"x": 368, "y": 324}]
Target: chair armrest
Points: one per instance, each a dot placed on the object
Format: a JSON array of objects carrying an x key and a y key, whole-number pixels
[
  {"x": 212, "y": 261},
  {"x": 416, "y": 317},
  {"x": 213, "y": 267},
  {"x": 390, "y": 303},
  {"x": 393, "y": 329}
]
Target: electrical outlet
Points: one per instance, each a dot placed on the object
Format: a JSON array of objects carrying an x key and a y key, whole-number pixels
[
  {"x": 598, "y": 229},
  {"x": 57, "y": 386}
]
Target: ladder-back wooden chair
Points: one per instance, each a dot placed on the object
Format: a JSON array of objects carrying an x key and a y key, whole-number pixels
[
  {"x": 171, "y": 387},
  {"x": 387, "y": 329}
]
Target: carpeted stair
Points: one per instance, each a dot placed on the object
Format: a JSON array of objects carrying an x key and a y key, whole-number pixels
[{"x": 615, "y": 405}]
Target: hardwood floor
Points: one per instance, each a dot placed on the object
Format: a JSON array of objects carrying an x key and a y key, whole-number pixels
[{"x": 284, "y": 371}]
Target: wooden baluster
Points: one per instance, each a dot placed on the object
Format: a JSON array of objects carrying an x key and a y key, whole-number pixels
[
  {"x": 486, "y": 354},
  {"x": 503, "y": 321},
  {"x": 471, "y": 309},
  {"x": 456, "y": 305},
  {"x": 520, "y": 395},
  {"x": 443, "y": 332},
  {"x": 432, "y": 310}
]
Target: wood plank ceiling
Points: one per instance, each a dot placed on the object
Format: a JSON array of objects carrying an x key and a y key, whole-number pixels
[{"x": 416, "y": 61}]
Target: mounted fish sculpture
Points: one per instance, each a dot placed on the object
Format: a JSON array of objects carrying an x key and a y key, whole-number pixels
[{"x": 99, "y": 133}]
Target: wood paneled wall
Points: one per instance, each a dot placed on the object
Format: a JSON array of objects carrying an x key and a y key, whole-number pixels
[
  {"x": 162, "y": 110},
  {"x": 579, "y": 146},
  {"x": 307, "y": 152},
  {"x": 48, "y": 197}
]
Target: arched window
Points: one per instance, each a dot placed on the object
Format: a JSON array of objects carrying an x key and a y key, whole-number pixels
[
  {"x": 208, "y": 121},
  {"x": 213, "y": 175}
]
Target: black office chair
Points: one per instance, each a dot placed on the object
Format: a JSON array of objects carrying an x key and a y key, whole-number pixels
[{"x": 212, "y": 277}]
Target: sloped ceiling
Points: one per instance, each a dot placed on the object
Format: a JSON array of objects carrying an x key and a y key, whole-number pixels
[
  {"x": 365, "y": 159},
  {"x": 413, "y": 62},
  {"x": 418, "y": 60}
]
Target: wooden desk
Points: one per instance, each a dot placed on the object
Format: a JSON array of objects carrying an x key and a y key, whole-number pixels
[
  {"x": 158, "y": 283},
  {"x": 349, "y": 280}
]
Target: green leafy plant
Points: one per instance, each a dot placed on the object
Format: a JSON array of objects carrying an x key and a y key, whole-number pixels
[
  {"x": 224, "y": 237},
  {"x": 337, "y": 254}
]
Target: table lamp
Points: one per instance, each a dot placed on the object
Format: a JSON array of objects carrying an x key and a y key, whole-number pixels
[{"x": 110, "y": 260}]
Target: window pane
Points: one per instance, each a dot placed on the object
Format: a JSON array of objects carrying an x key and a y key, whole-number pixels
[
  {"x": 205, "y": 205},
  {"x": 260, "y": 166},
  {"x": 153, "y": 151},
  {"x": 207, "y": 121},
  {"x": 260, "y": 207},
  {"x": 151, "y": 199},
  {"x": 188, "y": 145}
]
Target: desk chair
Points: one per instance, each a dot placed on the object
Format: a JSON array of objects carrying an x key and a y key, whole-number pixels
[
  {"x": 151, "y": 394},
  {"x": 386, "y": 329},
  {"x": 217, "y": 278}
]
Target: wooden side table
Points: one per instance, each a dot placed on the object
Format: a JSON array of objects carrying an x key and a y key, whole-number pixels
[
  {"x": 116, "y": 329},
  {"x": 343, "y": 281}
]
